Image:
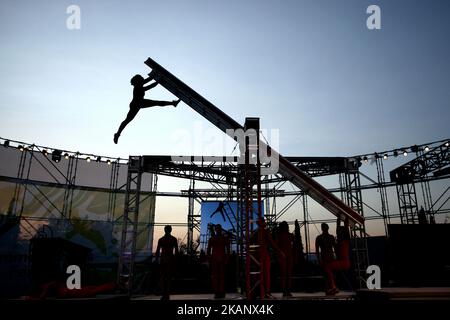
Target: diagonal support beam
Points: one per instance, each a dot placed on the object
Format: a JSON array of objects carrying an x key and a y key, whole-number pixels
[{"x": 224, "y": 122}]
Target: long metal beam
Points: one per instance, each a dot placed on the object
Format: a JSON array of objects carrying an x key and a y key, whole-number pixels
[{"x": 224, "y": 122}]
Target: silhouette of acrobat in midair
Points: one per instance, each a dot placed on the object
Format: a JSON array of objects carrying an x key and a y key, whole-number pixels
[
  {"x": 139, "y": 102},
  {"x": 220, "y": 208}
]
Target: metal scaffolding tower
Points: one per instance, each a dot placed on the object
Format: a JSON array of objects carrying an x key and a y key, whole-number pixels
[
  {"x": 127, "y": 252},
  {"x": 254, "y": 225},
  {"x": 428, "y": 163},
  {"x": 352, "y": 192},
  {"x": 193, "y": 218},
  {"x": 407, "y": 202},
  {"x": 306, "y": 224},
  {"x": 113, "y": 186}
]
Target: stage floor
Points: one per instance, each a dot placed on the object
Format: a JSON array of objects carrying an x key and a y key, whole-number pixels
[
  {"x": 343, "y": 295},
  {"x": 393, "y": 294}
]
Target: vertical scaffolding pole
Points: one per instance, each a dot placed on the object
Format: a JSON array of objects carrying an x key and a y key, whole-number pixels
[
  {"x": 240, "y": 230},
  {"x": 70, "y": 185},
  {"x": 113, "y": 182},
  {"x": 22, "y": 206},
  {"x": 407, "y": 202},
  {"x": 383, "y": 194},
  {"x": 129, "y": 224},
  {"x": 306, "y": 225},
  {"x": 19, "y": 186},
  {"x": 151, "y": 217},
  {"x": 191, "y": 217},
  {"x": 254, "y": 251},
  {"x": 425, "y": 185},
  {"x": 359, "y": 240}
]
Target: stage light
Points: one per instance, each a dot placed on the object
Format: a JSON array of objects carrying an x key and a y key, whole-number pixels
[
  {"x": 446, "y": 144},
  {"x": 45, "y": 152},
  {"x": 21, "y": 148},
  {"x": 6, "y": 143},
  {"x": 414, "y": 148},
  {"x": 427, "y": 148},
  {"x": 56, "y": 155},
  {"x": 98, "y": 159},
  {"x": 66, "y": 156},
  {"x": 358, "y": 161},
  {"x": 396, "y": 153},
  {"x": 405, "y": 153},
  {"x": 365, "y": 159},
  {"x": 385, "y": 156},
  {"x": 88, "y": 159},
  {"x": 108, "y": 162}
]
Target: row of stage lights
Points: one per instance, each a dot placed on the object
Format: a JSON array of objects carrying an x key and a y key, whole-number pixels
[
  {"x": 396, "y": 153},
  {"x": 58, "y": 155}
]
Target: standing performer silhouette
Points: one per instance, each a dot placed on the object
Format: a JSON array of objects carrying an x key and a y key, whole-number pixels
[
  {"x": 139, "y": 102},
  {"x": 219, "y": 251},
  {"x": 325, "y": 250},
  {"x": 285, "y": 241},
  {"x": 167, "y": 250}
]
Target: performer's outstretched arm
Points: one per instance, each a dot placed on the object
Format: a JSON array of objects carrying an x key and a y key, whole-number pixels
[{"x": 151, "y": 86}]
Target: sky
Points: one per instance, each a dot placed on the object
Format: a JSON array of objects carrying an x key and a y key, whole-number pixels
[{"x": 310, "y": 69}]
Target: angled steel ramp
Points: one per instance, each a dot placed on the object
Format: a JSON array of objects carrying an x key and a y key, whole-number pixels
[{"x": 222, "y": 121}]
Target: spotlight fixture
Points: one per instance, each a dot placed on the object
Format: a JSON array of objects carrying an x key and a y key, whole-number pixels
[
  {"x": 414, "y": 148},
  {"x": 6, "y": 143},
  {"x": 21, "y": 148},
  {"x": 45, "y": 152},
  {"x": 365, "y": 159},
  {"x": 385, "y": 156},
  {"x": 376, "y": 155},
  {"x": 66, "y": 156},
  {"x": 98, "y": 159},
  {"x": 56, "y": 155},
  {"x": 446, "y": 144},
  {"x": 427, "y": 148},
  {"x": 88, "y": 159},
  {"x": 396, "y": 153},
  {"x": 405, "y": 153},
  {"x": 108, "y": 162}
]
